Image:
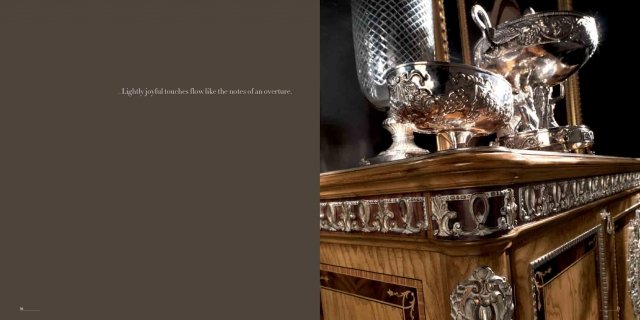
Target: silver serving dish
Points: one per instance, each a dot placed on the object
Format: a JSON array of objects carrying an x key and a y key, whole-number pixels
[
  {"x": 456, "y": 101},
  {"x": 535, "y": 53},
  {"x": 538, "y": 48}
]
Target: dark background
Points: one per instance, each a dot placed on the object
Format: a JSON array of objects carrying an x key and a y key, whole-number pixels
[
  {"x": 166, "y": 207},
  {"x": 351, "y": 129}
]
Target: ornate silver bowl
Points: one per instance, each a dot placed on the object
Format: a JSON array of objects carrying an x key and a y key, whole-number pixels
[
  {"x": 538, "y": 48},
  {"x": 535, "y": 53},
  {"x": 454, "y": 100}
]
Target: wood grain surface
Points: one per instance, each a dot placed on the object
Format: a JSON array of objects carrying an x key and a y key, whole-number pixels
[
  {"x": 438, "y": 273},
  {"x": 573, "y": 295},
  {"x": 439, "y": 265},
  {"x": 406, "y": 293},
  {"x": 539, "y": 244},
  {"x": 455, "y": 170},
  {"x": 340, "y": 306}
]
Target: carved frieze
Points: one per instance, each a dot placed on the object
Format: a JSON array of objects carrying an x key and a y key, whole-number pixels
[
  {"x": 469, "y": 214},
  {"x": 540, "y": 200},
  {"x": 403, "y": 215},
  {"x": 475, "y": 214}
]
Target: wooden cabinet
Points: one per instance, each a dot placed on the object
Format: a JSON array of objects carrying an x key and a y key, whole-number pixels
[{"x": 485, "y": 234}]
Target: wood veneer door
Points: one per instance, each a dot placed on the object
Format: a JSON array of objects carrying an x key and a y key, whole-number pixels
[
  {"x": 573, "y": 294},
  {"x": 568, "y": 282}
]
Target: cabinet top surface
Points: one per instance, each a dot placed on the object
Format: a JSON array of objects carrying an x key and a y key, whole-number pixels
[{"x": 478, "y": 167}]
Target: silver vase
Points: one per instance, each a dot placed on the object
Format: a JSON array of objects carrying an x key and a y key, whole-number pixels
[{"x": 388, "y": 33}]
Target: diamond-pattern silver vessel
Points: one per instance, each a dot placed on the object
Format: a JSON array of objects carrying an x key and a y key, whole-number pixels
[{"x": 387, "y": 33}]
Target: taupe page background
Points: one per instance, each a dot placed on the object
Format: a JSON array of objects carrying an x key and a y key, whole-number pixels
[{"x": 163, "y": 207}]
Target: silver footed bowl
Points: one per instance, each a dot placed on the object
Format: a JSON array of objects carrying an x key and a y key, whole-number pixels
[
  {"x": 457, "y": 100},
  {"x": 538, "y": 48}
]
